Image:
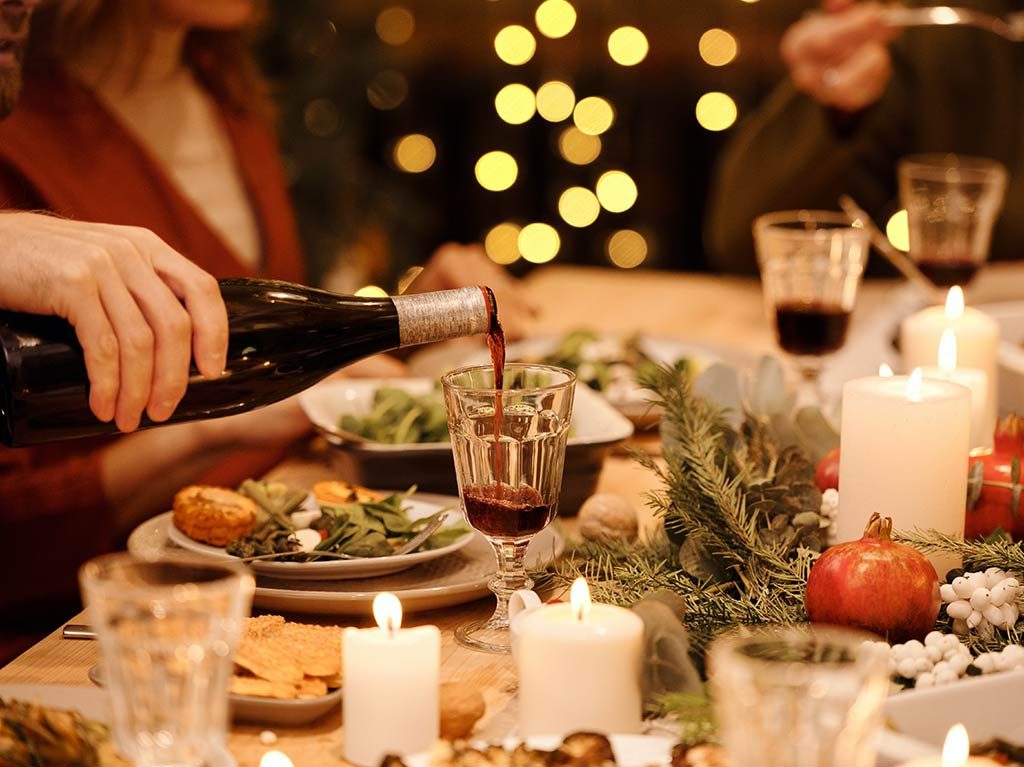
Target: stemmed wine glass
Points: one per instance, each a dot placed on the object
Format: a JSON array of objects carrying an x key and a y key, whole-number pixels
[
  {"x": 952, "y": 203},
  {"x": 811, "y": 263},
  {"x": 509, "y": 447}
]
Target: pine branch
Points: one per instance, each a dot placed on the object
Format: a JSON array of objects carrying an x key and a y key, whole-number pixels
[{"x": 977, "y": 554}]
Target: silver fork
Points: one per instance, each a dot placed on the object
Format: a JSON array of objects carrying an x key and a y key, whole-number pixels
[
  {"x": 1010, "y": 27},
  {"x": 406, "y": 548}
]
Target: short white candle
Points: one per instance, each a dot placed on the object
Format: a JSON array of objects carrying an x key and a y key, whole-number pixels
[
  {"x": 903, "y": 453},
  {"x": 956, "y": 752},
  {"x": 977, "y": 341},
  {"x": 579, "y": 667},
  {"x": 975, "y": 379},
  {"x": 392, "y": 686}
]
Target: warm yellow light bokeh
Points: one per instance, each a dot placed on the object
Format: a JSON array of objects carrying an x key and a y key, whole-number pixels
[
  {"x": 627, "y": 46},
  {"x": 539, "y": 243},
  {"x": 593, "y": 115},
  {"x": 387, "y": 89},
  {"x": 555, "y": 101},
  {"x": 577, "y": 147},
  {"x": 372, "y": 291},
  {"x": 626, "y": 248},
  {"x": 502, "y": 243},
  {"x": 515, "y": 104},
  {"x": 395, "y": 25},
  {"x": 515, "y": 44},
  {"x": 496, "y": 171},
  {"x": 717, "y": 47},
  {"x": 716, "y": 111},
  {"x": 616, "y": 191},
  {"x": 414, "y": 153},
  {"x": 898, "y": 230},
  {"x": 578, "y": 206},
  {"x": 555, "y": 18}
]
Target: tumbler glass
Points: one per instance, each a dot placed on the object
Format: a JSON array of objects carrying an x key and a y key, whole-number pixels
[
  {"x": 799, "y": 696},
  {"x": 952, "y": 203},
  {"x": 168, "y": 631},
  {"x": 509, "y": 447}
]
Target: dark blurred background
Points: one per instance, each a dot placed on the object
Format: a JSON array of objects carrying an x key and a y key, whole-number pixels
[{"x": 387, "y": 106}]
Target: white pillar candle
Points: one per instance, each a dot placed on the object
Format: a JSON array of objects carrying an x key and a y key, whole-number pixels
[
  {"x": 392, "y": 686},
  {"x": 903, "y": 453},
  {"x": 975, "y": 379},
  {"x": 956, "y": 752},
  {"x": 977, "y": 341},
  {"x": 579, "y": 667}
]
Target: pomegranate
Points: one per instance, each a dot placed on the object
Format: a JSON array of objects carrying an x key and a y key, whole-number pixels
[
  {"x": 875, "y": 584},
  {"x": 998, "y": 473},
  {"x": 826, "y": 476}
]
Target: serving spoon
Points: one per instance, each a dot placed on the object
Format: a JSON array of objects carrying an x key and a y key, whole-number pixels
[{"x": 1009, "y": 27}]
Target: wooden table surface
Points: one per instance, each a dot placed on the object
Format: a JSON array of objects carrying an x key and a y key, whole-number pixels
[{"x": 693, "y": 307}]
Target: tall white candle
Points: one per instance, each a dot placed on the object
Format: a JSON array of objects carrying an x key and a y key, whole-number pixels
[
  {"x": 903, "y": 453},
  {"x": 977, "y": 341},
  {"x": 975, "y": 379},
  {"x": 579, "y": 667},
  {"x": 392, "y": 686}
]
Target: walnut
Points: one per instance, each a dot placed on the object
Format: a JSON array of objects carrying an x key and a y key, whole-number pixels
[
  {"x": 462, "y": 706},
  {"x": 605, "y": 515}
]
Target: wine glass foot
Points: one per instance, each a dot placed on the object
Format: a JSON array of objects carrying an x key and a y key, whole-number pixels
[{"x": 485, "y": 636}]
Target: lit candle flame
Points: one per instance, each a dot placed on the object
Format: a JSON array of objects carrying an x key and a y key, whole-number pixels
[
  {"x": 957, "y": 747},
  {"x": 947, "y": 351},
  {"x": 884, "y": 371},
  {"x": 579, "y": 598},
  {"x": 275, "y": 759},
  {"x": 955, "y": 303},
  {"x": 914, "y": 385},
  {"x": 387, "y": 610}
]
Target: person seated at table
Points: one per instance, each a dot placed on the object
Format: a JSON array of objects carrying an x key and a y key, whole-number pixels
[
  {"x": 151, "y": 114},
  {"x": 857, "y": 100}
]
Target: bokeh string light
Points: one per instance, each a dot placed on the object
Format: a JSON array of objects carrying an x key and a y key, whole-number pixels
[
  {"x": 555, "y": 18},
  {"x": 555, "y": 101},
  {"x": 502, "y": 243},
  {"x": 395, "y": 25},
  {"x": 898, "y": 230},
  {"x": 593, "y": 115},
  {"x": 372, "y": 291},
  {"x": 718, "y": 47},
  {"x": 716, "y": 111},
  {"x": 578, "y": 206},
  {"x": 539, "y": 243},
  {"x": 414, "y": 153},
  {"x": 626, "y": 248},
  {"x": 515, "y": 45},
  {"x": 577, "y": 147},
  {"x": 496, "y": 171},
  {"x": 627, "y": 46},
  {"x": 515, "y": 104},
  {"x": 616, "y": 191}
]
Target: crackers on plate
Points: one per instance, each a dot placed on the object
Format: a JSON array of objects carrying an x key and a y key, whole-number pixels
[{"x": 286, "y": 660}]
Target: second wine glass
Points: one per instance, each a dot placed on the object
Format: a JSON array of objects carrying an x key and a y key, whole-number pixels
[{"x": 811, "y": 263}]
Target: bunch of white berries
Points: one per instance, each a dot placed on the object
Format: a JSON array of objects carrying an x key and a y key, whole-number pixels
[
  {"x": 1007, "y": 659},
  {"x": 830, "y": 510},
  {"x": 939, "y": 660},
  {"x": 982, "y": 601}
]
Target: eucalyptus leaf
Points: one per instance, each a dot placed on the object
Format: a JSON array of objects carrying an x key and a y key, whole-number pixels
[
  {"x": 768, "y": 394},
  {"x": 720, "y": 384},
  {"x": 975, "y": 483},
  {"x": 817, "y": 435}
]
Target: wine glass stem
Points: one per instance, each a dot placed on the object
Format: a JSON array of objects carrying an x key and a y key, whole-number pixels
[
  {"x": 511, "y": 577},
  {"x": 809, "y": 393}
]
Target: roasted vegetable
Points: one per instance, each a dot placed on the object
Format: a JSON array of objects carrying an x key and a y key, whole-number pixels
[{"x": 32, "y": 735}]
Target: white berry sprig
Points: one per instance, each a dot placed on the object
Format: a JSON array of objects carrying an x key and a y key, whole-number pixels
[{"x": 982, "y": 602}]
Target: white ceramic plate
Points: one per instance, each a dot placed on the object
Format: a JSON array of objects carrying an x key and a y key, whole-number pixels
[
  {"x": 453, "y": 580},
  {"x": 593, "y": 422},
  {"x": 340, "y": 569},
  {"x": 630, "y": 750}
]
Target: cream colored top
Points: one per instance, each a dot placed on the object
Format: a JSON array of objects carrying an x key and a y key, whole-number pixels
[{"x": 175, "y": 120}]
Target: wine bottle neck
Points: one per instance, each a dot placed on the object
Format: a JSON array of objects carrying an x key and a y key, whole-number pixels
[{"x": 424, "y": 318}]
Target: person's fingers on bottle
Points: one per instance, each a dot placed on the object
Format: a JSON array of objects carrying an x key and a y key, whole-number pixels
[
  {"x": 135, "y": 341},
  {"x": 201, "y": 295},
  {"x": 172, "y": 332},
  {"x": 829, "y": 39},
  {"x": 861, "y": 79},
  {"x": 97, "y": 338}
]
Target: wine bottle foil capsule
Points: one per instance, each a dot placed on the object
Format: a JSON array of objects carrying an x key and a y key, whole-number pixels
[{"x": 428, "y": 317}]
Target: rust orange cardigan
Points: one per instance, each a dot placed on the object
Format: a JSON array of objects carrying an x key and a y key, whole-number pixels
[{"x": 62, "y": 151}]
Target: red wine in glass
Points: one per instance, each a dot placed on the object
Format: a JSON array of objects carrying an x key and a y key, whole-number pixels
[
  {"x": 811, "y": 328},
  {"x": 947, "y": 272},
  {"x": 500, "y": 511}
]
